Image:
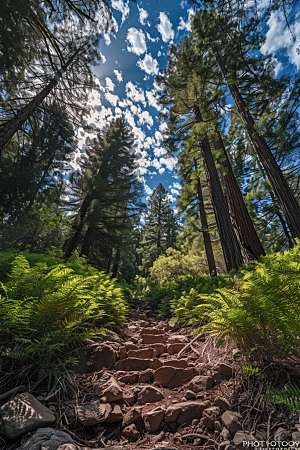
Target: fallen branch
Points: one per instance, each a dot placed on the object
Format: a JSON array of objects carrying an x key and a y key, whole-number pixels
[
  {"x": 194, "y": 350},
  {"x": 12, "y": 391},
  {"x": 201, "y": 335}
]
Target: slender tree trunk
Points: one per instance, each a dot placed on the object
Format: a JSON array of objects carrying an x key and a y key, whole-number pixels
[
  {"x": 87, "y": 242},
  {"x": 204, "y": 225},
  {"x": 11, "y": 126},
  {"x": 116, "y": 263},
  {"x": 71, "y": 243},
  {"x": 243, "y": 224},
  {"x": 230, "y": 246},
  {"x": 277, "y": 210},
  {"x": 286, "y": 199}
]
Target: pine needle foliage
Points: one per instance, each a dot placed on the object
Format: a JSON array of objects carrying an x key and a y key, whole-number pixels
[
  {"x": 260, "y": 312},
  {"x": 45, "y": 313}
]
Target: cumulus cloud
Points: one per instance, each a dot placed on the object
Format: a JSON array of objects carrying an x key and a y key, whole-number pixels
[
  {"x": 119, "y": 75},
  {"x": 111, "y": 98},
  {"x": 149, "y": 65},
  {"x": 152, "y": 99},
  {"x": 278, "y": 37},
  {"x": 145, "y": 118},
  {"x": 135, "y": 93},
  {"x": 165, "y": 27},
  {"x": 142, "y": 15},
  {"x": 151, "y": 39},
  {"x": 136, "y": 40},
  {"x": 177, "y": 185},
  {"x": 109, "y": 85},
  {"x": 169, "y": 162},
  {"x": 159, "y": 151},
  {"x": 123, "y": 7},
  {"x": 186, "y": 25}
]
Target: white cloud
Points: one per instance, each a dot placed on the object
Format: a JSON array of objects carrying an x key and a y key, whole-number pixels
[
  {"x": 155, "y": 163},
  {"x": 142, "y": 15},
  {"x": 148, "y": 190},
  {"x": 163, "y": 127},
  {"x": 109, "y": 84},
  {"x": 186, "y": 25},
  {"x": 151, "y": 39},
  {"x": 279, "y": 37},
  {"x": 129, "y": 118},
  {"x": 102, "y": 58},
  {"x": 134, "y": 93},
  {"x": 177, "y": 185},
  {"x": 136, "y": 40},
  {"x": 165, "y": 27},
  {"x": 107, "y": 39},
  {"x": 119, "y": 75},
  {"x": 123, "y": 7},
  {"x": 118, "y": 112},
  {"x": 111, "y": 98},
  {"x": 171, "y": 198},
  {"x": 152, "y": 99},
  {"x": 149, "y": 65},
  {"x": 160, "y": 151},
  {"x": 159, "y": 54},
  {"x": 175, "y": 191},
  {"x": 145, "y": 118},
  {"x": 161, "y": 170},
  {"x": 169, "y": 162}
]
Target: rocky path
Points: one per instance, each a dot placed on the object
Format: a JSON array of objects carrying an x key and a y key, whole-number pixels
[{"x": 149, "y": 386}]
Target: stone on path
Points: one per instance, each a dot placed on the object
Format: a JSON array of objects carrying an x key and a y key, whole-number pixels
[
  {"x": 231, "y": 421},
  {"x": 134, "y": 415},
  {"x": 108, "y": 387},
  {"x": 135, "y": 364},
  {"x": 146, "y": 376},
  {"x": 144, "y": 353},
  {"x": 171, "y": 377},
  {"x": 184, "y": 413},
  {"x": 153, "y": 419},
  {"x": 201, "y": 383},
  {"x": 93, "y": 413},
  {"x": 149, "y": 339},
  {"x": 94, "y": 358},
  {"x": 24, "y": 413},
  {"x": 130, "y": 432},
  {"x": 149, "y": 394},
  {"x": 175, "y": 348},
  {"x": 115, "y": 415},
  {"x": 47, "y": 439},
  {"x": 178, "y": 339}
]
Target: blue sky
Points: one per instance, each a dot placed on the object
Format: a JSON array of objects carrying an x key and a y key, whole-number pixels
[{"x": 134, "y": 54}]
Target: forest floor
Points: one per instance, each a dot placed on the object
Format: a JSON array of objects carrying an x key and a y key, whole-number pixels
[{"x": 166, "y": 389}]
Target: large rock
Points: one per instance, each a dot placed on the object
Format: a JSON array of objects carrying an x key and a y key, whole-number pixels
[
  {"x": 240, "y": 438},
  {"x": 223, "y": 369},
  {"x": 130, "y": 346},
  {"x": 108, "y": 387},
  {"x": 153, "y": 419},
  {"x": 134, "y": 415},
  {"x": 160, "y": 348},
  {"x": 154, "y": 331},
  {"x": 231, "y": 420},
  {"x": 24, "y": 413},
  {"x": 149, "y": 339},
  {"x": 171, "y": 377},
  {"x": 201, "y": 383},
  {"x": 135, "y": 364},
  {"x": 115, "y": 415},
  {"x": 93, "y": 413},
  {"x": 95, "y": 357},
  {"x": 175, "y": 348},
  {"x": 130, "y": 432},
  {"x": 144, "y": 353},
  {"x": 127, "y": 378},
  {"x": 210, "y": 416},
  {"x": 47, "y": 439},
  {"x": 146, "y": 376},
  {"x": 178, "y": 339},
  {"x": 184, "y": 413},
  {"x": 149, "y": 394},
  {"x": 177, "y": 363}
]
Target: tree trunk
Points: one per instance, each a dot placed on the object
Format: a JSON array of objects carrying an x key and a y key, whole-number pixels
[
  {"x": 116, "y": 263},
  {"x": 230, "y": 246},
  {"x": 243, "y": 224},
  {"x": 206, "y": 237},
  {"x": 71, "y": 243},
  {"x": 87, "y": 242},
  {"x": 11, "y": 126},
  {"x": 287, "y": 202}
]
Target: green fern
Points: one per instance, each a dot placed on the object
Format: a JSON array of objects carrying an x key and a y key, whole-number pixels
[
  {"x": 47, "y": 312},
  {"x": 290, "y": 397},
  {"x": 261, "y": 311}
]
